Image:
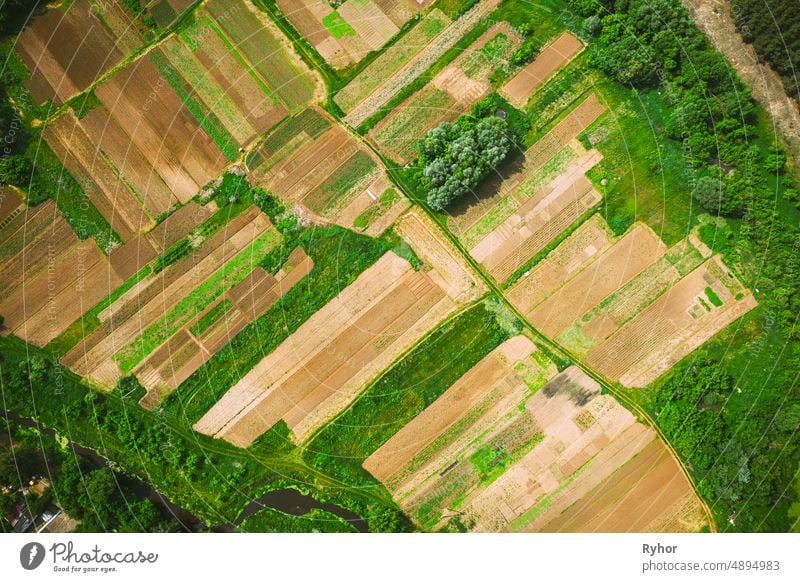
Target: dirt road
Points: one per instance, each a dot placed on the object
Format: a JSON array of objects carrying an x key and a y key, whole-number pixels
[{"x": 715, "y": 20}]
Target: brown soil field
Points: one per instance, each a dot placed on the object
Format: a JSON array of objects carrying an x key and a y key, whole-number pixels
[
  {"x": 626, "y": 302},
  {"x": 560, "y": 265},
  {"x": 630, "y": 307},
  {"x": 128, "y": 258},
  {"x": 634, "y": 252},
  {"x": 310, "y": 163},
  {"x": 111, "y": 142},
  {"x": 156, "y": 295},
  {"x": 537, "y": 222},
  {"x": 161, "y": 128},
  {"x": 510, "y": 447},
  {"x": 183, "y": 353},
  {"x": 110, "y": 194},
  {"x": 50, "y": 277},
  {"x": 373, "y": 27},
  {"x": 647, "y": 494},
  {"x": 43, "y": 236},
  {"x": 554, "y": 56},
  {"x": 516, "y": 175},
  {"x": 66, "y": 51},
  {"x": 672, "y": 326},
  {"x": 87, "y": 277},
  {"x": 586, "y": 439},
  {"x": 31, "y": 240},
  {"x": 10, "y": 206},
  {"x": 178, "y": 224},
  {"x": 321, "y": 367}
]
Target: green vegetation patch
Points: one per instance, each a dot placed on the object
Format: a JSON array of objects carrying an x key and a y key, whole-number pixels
[
  {"x": 337, "y": 26},
  {"x": 317, "y": 520},
  {"x": 386, "y": 201},
  {"x": 82, "y": 104},
  {"x": 211, "y": 317},
  {"x": 713, "y": 297},
  {"x": 162, "y": 13}
]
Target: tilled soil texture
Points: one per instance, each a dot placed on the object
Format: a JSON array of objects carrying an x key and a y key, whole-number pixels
[
  {"x": 322, "y": 366},
  {"x": 554, "y": 56}
]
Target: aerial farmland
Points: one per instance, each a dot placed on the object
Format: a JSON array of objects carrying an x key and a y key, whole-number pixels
[{"x": 439, "y": 266}]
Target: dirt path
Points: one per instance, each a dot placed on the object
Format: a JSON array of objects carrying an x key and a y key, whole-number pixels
[{"x": 714, "y": 18}]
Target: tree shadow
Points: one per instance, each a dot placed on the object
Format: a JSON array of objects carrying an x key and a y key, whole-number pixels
[{"x": 489, "y": 187}]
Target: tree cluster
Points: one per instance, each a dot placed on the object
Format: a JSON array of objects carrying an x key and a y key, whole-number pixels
[
  {"x": 455, "y": 157},
  {"x": 773, "y": 28}
]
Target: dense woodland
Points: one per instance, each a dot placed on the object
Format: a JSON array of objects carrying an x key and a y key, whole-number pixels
[{"x": 773, "y": 28}]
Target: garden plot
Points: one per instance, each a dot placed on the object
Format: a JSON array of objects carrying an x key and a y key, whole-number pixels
[
  {"x": 557, "y": 152},
  {"x": 99, "y": 179},
  {"x": 391, "y": 78},
  {"x": 687, "y": 315},
  {"x": 266, "y": 51},
  {"x": 321, "y": 367},
  {"x": 609, "y": 271},
  {"x": 220, "y": 83},
  {"x": 554, "y": 56},
  {"x": 539, "y": 220},
  {"x": 392, "y": 60},
  {"x": 450, "y": 93},
  {"x": 161, "y": 303},
  {"x": 194, "y": 344},
  {"x": 68, "y": 49},
  {"x": 561, "y": 264},
  {"x": 50, "y": 278},
  {"x": 481, "y": 406},
  {"x": 646, "y": 494},
  {"x": 515, "y": 455},
  {"x": 630, "y": 307},
  {"x": 343, "y": 36},
  {"x": 315, "y": 163},
  {"x": 140, "y": 151}
]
